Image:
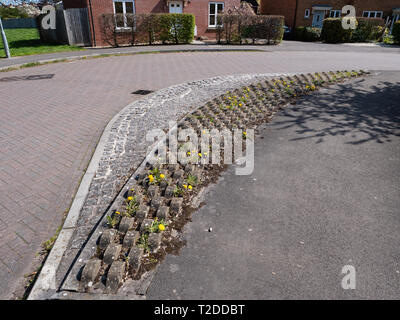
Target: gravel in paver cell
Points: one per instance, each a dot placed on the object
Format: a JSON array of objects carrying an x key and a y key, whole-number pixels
[
  {"x": 181, "y": 183},
  {"x": 106, "y": 238},
  {"x": 112, "y": 252},
  {"x": 90, "y": 271},
  {"x": 134, "y": 258},
  {"x": 163, "y": 212},
  {"x": 142, "y": 212},
  {"x": 169, "y": 192},
  {"x": 141, "y": 176},
  {"x": 153, "y": 191},
  {"x": 125, "y": 224},
  {"x": 173, "y": 167},
  {"x": 115, "y": 275},
  {"x": 190, "y": 168},
  {"x": 178, "y": 174},
  {"x": 130, "y": 239},
  {"x": 155, "y": 202},
  {"x": 163, "y": 185},
  {"x": 146, "y": 224},
  {"x": 132, "y": 191},
  {"x": 139, "y": 198},
  {"x": 175, "y": 205},
  {"x": 154, "y": 241}
]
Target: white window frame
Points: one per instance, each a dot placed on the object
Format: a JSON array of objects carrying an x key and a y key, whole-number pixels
[
  {"x": 307, "y": 13},
  {"x": 372, "y": 14},
  {"x": 124, "y": 11},
  {"x": 216, "y": 12},
  {"x": 336, "y": 13}
]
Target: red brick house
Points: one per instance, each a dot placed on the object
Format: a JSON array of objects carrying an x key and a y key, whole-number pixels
[
  {"x": 205, "y": 12},
  {"x": 313, "y": 12}
]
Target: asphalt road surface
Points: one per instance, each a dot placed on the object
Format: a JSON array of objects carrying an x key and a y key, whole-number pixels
[{"x": 324, "y": 194}]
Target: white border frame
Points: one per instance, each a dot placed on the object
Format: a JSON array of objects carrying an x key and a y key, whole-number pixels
[
  {"x": 125, "y": 27},
  {"x": 216, "y": 12},
  {"x": 335, "y": 13},
  {"x": 375, "y": 13}
]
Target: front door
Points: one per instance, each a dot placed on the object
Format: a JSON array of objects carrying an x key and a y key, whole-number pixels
[
  {"x": 175, "y": 6},
  {"x": 318, "y": 19}
]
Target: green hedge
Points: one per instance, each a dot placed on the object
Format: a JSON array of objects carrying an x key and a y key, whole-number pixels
[
  {"x": 368, "y": 30},
  {"x": 148, "y": 28},
  {"x": 177, "y": 28},
  {"x": 307, "y": 34},
  {"x": 396, "y": 32},
  {"x": 333, "y": 32}
]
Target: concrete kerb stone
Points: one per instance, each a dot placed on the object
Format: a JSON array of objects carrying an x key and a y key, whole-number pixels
[
  {"x": 46, "y": 285},
  {"x": 117, "y": 53}
]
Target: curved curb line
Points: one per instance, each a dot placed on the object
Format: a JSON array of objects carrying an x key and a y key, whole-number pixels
[
  {"x": 45, "y": 285},
  {"x": 38, "y": 63}
]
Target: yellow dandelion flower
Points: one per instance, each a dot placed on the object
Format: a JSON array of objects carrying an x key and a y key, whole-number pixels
[
  {"x": 240, "y": 104},
  {"x": 129, "y": 198},
  {"x": 161, "y": 227},
  {"x": 185, "y": 186},
  {"x": 162, "y": 176},
  {"x": 245, "y": 133},
  {"x": 190, "y": 187},
  {"x": 200, "y": 155},
  {"x": 188, "y": 153},
  {"x": 117, "y": 212},
  {"x": 151, "y": 178}
]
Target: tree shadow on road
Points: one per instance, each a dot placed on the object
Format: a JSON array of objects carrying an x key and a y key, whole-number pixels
[{"x": 361, "y": 111}]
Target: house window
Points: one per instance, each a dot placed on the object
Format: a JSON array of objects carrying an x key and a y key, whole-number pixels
[
  {"x": 335, "y": 14},
  {"x": 372, "y": 14},
  {"x": 123, "y": 7},
  {"x": 307, "y": 13},
  {"x": 214, "y": 9}
]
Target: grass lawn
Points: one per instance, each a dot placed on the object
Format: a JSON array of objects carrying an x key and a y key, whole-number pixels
[{"x": 27, "y": 41}]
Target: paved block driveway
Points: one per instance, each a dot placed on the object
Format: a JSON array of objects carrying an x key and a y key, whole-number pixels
[{"x": 52, "y": 116}]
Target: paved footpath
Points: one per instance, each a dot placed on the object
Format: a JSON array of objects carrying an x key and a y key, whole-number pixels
[
  {"x": 52, "y": 116},
  {"x": 324, "y": 194}
]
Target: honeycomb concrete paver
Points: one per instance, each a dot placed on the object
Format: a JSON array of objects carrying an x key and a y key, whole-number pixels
[{"x": 49, "y": 127}]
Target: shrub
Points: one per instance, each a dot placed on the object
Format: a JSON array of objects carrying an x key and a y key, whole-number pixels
[
  {"x": 6, "y": 13},
  {"x": 178, "y": 28},
  {"x": 368, "y": 30},
  {"x": 236, "y": 27},
  {"x": 307, "y": 34},
  {"x": 333, "y": 32},
  {"x": 396, "y": 32},
  {"x": 150, "y": 28},
  {"x": 108, "y": 29}
]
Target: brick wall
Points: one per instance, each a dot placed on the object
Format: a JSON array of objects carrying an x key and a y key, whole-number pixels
[
  {"x": 284, "y": 8},
  {"x": 287, "y": 8},
  {"x": 197, "y": 7},
  {"x": 70, "y": 4}
]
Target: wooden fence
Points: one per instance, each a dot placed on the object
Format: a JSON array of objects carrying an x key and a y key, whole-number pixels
[
  {"x": 77, "y": 26},
  {"x": 72, "y": 27}
]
